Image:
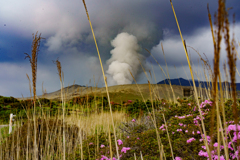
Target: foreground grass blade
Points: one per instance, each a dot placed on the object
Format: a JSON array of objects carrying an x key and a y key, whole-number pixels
[
  {"x": 104, "y": 77},
  {"x": 194, "y": 85},
  {"x": 33, "y": 61}
]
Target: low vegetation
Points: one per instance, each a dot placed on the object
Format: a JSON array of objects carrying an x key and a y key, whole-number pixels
[{"x": 135, "y": 130}]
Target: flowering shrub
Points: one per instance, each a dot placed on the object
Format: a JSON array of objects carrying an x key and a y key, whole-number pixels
[
  {"x": 183, "y": 122},
  {"x": 185, "y": 135},
  {"x": 89, "y": 147}
]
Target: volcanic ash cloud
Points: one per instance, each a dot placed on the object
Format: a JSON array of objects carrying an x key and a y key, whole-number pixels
[{"x": 125, "y": 58}]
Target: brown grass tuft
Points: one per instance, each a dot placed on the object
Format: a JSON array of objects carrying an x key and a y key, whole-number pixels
[
  {"x": 232, "y": 58},
  {"x": 59, "y": 68},
  {"x": 33, "y": 61}
]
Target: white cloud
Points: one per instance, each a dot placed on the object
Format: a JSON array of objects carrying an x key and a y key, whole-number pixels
[
  {"x": 13, "y": 78},
  {"x": 201, "y": 40}
]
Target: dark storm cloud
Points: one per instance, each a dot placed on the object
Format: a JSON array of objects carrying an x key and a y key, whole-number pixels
[
  {"x": 12, "y": 49},
  {"x": 65, "y": 24},
  {"x": 190, "y": 14},
  {"x": 68, "y": 36}
]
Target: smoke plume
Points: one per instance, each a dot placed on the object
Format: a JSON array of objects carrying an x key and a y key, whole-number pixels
[{"x": 125, "y": 57}]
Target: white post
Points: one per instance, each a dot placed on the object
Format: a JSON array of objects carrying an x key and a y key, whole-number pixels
[{"x": 11, "y": 122}]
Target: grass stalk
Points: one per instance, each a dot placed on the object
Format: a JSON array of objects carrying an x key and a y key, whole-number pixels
[
  {"x": 141, "y": 155},
  {"x": 169, "y": 140},
  {"x": 33, "y": 62},
  {"x": 160, "y": 68},
  {"x": 110, "y": 142},
  {"x": 60, "y": 73},
  {"x": 154, "y": 118},
  {"x": 232, "y": 57},
  {"x": 104, "y": 77},
  {"x": 158, "y": 95},
  {"x": 178, "y": 77},
  {"x": 1, "y": 149},
  {"x": 174, "y": 98},
  {"x": 225, "y": 140},
  {"x": 195, "y": 89}
]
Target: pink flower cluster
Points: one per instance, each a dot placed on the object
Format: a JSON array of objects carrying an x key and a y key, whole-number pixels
[
  {"x": 190, "y": 140},
  {"x": 203, "y": 104},
  {"x": 208, "y": 138},
  {"x": 129, "y": 101},
  {"x": 162, "y": 127},
  {"x": 179, "y": 130},
  {"x": 119, "y": 142},
  {"x": 106, "y": 158},
  {"x": 180, "y": 124},
  {"x": 182, "y": 117},
  {"x": 123, "y": 150},
  {"x": 230, "y": 128},
  {"x": 195, "y": 120},
  {"x": 203, "y": 153},
  {"x": 213, "y": 154}
]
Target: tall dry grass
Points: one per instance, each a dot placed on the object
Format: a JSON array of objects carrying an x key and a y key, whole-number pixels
[
  {"x": 88, "y": 124},
  {"x": 222, "y": 24},
  {"x": 61, "y": 78},
  {"x": 104, "y": 77},
  {"x": 194, "y": 85},
  {"x": 33, "y": 61}
]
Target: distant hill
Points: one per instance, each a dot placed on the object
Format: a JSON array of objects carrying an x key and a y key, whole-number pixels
[
  {"x": 121, "y": 93},
  {"x": 118, "y": 93},
  {"x": 185, "y": 82}
]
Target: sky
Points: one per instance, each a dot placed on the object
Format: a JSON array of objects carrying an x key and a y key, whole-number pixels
[{"x": 123, "y": 30}]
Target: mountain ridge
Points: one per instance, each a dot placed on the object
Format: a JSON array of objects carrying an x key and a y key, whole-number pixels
[{"x": 186, "y": 82}]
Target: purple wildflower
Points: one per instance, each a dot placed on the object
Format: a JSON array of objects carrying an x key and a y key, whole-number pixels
[
  {"x": 129, "y": 101},
  {"x": 119, "y": 142},
  {"x": 125, "y": 149},
  {"x": 162, "y": 127},
  {"x": 180, "y": 124},
  {"x": 190, "y": 140}
]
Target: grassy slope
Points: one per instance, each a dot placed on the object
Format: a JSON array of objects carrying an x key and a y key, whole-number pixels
[{"x": 118, "y": 93}]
